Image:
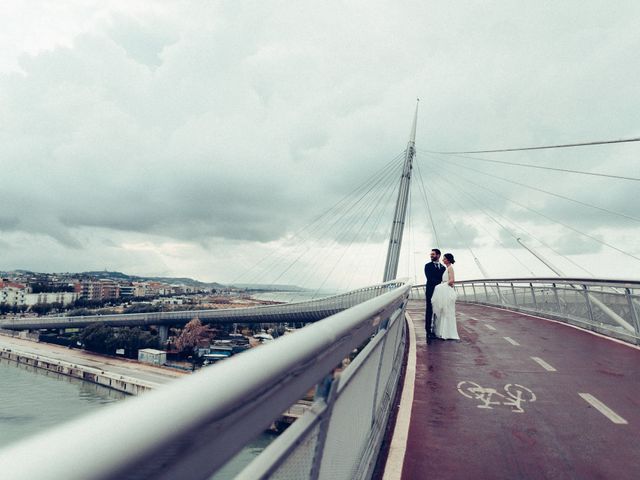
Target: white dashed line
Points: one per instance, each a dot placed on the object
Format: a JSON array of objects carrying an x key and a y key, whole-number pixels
[
  {"x": 603, "y": 409},
  {"x": 511, "y": 341},
  {"x": 490, "y": 327},
  {"x": 543, "y": 364}
]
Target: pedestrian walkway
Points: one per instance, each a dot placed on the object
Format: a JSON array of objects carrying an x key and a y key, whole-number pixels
[{"x": 521, "y": 397}]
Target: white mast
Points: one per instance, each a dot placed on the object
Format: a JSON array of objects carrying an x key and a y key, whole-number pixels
[{"x": 397, "y": 229}]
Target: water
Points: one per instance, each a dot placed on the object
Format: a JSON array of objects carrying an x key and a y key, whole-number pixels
[
  {"x": 242, "y": 459},
  {"x": 33, "y": 400},
  {"x": 292, "y": 296}
]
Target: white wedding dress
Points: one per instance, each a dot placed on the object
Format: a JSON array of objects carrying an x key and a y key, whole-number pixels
[{"x": 444, "y": 308}]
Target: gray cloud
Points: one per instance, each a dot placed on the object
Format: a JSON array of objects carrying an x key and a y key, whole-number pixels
[{"x": 225, "y": 122}]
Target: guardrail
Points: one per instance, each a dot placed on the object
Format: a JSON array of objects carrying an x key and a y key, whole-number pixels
[
  {"x": 305, "y": 311},
  {"x": 189, "y": 428},
  {"x": 610, "y": 307}
]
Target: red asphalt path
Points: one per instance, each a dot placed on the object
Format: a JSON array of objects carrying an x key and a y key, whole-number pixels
[{"x": 557, "y": 436}]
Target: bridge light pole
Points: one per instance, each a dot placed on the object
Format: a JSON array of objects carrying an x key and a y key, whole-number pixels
[{"x": 397, "y": 228}]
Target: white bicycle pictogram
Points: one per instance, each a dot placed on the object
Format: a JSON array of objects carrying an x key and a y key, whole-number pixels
[{"x": 515, "y": 396}]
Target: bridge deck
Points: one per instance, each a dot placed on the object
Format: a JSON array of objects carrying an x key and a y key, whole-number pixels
[{"x": 558, "y": 435}]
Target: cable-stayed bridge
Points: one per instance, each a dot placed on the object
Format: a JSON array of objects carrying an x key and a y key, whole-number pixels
[{"x": 546, "y": 368}]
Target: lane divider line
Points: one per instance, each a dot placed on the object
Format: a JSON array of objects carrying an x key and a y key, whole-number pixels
[
  {"x": 565, "y": 324},
  {"x": 603, "y": 409},
  {"x": 490, "y": 327},
  {"x": 511, "y": 341},
  {"x": 543, "y": 364}
]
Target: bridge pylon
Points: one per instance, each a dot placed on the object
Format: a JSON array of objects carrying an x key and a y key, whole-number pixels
[{"x": 397, "y": 228}]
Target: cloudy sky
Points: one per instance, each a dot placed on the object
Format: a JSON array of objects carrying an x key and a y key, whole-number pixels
[{"x": 196, "y": 137}]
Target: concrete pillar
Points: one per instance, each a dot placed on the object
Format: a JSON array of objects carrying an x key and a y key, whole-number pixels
[{"x": 163, "y": 334}]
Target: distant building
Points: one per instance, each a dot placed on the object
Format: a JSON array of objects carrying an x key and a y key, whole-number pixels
[
  {"x": 13, "y": 293},
  {"x": 65, "y": 298},
  {"x": 91, "y": 290},
  {"x": 152, "y": 356},
  {"x": 127, "y": 290},
  {"x": 109, "y": 289},
  {"x": 103, "y": 289}
]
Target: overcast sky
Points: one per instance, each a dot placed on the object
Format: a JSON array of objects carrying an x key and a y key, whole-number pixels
[{"x": 193, "y": 137}]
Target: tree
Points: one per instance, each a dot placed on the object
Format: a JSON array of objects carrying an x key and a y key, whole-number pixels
[
  {"x": 142, "y": 308},
  {"x": 193, "y": 333},
  {"x": 103, "y": 339},
  {"x": 98, "y": 338},
  {"x": 41, "y": 308},
  {"x": 133, "y": 339}
]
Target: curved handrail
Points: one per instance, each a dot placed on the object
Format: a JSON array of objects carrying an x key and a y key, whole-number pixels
[
  {"x": 620, "y": 283},
  {"x": 608, "y": 306},
  {"x": 303, "y": 311},
  {"x": 190, "y": 427}
]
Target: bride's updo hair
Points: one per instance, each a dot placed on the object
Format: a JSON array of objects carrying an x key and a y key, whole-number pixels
[{"x": 449, "y": 256}]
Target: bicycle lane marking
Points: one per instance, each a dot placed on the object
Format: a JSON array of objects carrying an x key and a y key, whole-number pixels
[{"x": 515, "y": 395}]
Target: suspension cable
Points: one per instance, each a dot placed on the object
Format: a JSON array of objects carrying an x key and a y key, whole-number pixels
[
  {"x": 372, "y": 208},
  {"x": 426, "y": 201},
  {"x": 353, "y": 210},
  {"x": 492, "y": 236},
  {"x": 602, "y": 242},
  {"x": 331, "y": 215},
  {"x": 541, "y": 167},
  {"x": 385, "y": 204},
  {"x": 557, "y": 195},
  {"x": 544, "y": 147},
  {"x": 453, "y": 224},
  {"x": 482, "y": 206}
]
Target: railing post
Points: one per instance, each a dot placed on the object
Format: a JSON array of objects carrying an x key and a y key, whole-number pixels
[
  {"x": 464, "y": 292},
  {"x": 382, "y": 347},
  {"x": 327, "y": 389},
  {"x": 555, "y": 294},
  {"x": 475, "y": 294},
  {"x": 634, "y": 313},
  {"x": 486, "y": 292},
  {"x": 515, "y": 297},
  {"x": 588, "y": 302},
  {"x": 533, "y": 296},
  {"x": 499, "y": 293}
]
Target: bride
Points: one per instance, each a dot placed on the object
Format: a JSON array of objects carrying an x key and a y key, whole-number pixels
[{"x": 444, "y": 303}]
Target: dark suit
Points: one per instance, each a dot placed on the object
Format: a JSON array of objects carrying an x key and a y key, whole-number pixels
[{"x": 434, "y": 277}]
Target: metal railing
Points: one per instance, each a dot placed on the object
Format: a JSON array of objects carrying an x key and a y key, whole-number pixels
[
  {"x": 189, "y": 428},
  {"x": 610, "y": 307},
  {"x": 305, "y": 311}
]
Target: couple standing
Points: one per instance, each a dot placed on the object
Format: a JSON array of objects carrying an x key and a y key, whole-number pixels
[{"x": 441, "y": 297}]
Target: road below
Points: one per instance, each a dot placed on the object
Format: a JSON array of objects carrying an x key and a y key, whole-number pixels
[{"x": 130, "y": 368}]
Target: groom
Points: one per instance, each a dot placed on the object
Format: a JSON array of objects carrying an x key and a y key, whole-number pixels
[{"x": 433, "y": 270}]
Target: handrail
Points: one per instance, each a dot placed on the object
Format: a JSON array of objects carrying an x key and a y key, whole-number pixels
[
  {"x": 304, "y": 311},
  {"x": 608, "y": 306},
  {"x": 595, "y": 281},
  {"x": 192, "y": 426}
]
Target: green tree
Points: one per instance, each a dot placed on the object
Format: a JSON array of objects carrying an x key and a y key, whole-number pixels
[
  {"x": 133, "y": 339},
  {"x": 98, "y": 338}
]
